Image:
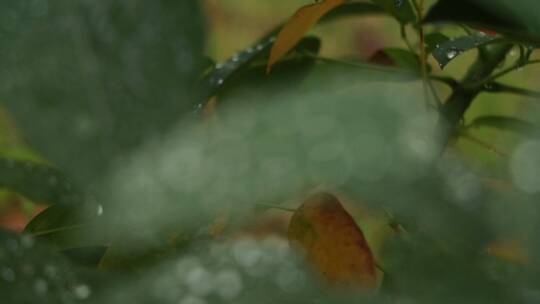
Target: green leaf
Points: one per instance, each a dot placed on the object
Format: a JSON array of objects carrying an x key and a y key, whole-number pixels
[
  {"x": 402, "y": 10},
  {"x": 68, "y": 227},
  {"x": 219, "y": 76},
  {"x": 95, "y": 80},
  {"x": 517, "y": 19},
  {"x": 506, "y": 123},
  {"x": 223, "y": 72},
  {"x": 242, "y": 70},
  {"x": 38, "y": 182},
  {"x": 433, "y": 40},
  {"x": 452, "y": 48}
]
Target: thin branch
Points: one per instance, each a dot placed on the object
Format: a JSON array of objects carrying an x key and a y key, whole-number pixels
[
  {"x": 496, "y": 87},
  {"x": 515, "y": 67}
]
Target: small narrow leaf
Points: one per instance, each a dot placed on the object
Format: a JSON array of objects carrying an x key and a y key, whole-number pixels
[
  {"x": 506, "y": 123},
  {"x": 450, "y": 49},
  {"x": 252, "y": 73},
  {"x": 297, "y": 26},
  {"x": 334, "y": 244},
  {"x": 222, "y": 72}
]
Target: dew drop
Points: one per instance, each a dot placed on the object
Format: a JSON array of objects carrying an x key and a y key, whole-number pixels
[
  {"x": 192, "y": 300},
  {"x": 99, "y": 211},
  {"x": 82, "y": 291},
  {"x": 220, "y": 81},
  {"x": 228, "y": 284},
  {"x": 41, "y": 286},
  {"x": 7, "y": 274},
  {"x": 259, "y": 47},
  {"x": 247, "y": 253},
  {"x": 398, "y": 3},
  {"x": 219, "y": 66},
  {"x": 199, "y": 281},
  {"x": 451, "y": 54}
]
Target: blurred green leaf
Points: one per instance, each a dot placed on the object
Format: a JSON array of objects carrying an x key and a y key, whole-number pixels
[
  {"x": 449, "y": 50},
  {"x": 88, "y": 82},
  {"x": 242, "y": 72},
  {"x": 38, "y": 182}
]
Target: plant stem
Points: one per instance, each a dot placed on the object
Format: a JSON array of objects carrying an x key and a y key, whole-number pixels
[{"x": 504, "y": 72}]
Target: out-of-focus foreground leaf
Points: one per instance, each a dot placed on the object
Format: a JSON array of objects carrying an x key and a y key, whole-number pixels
[
  {"x": 88, "y": 82},
  {"x": 333, "y": 243},
  {"x": 38, "y": 182}
]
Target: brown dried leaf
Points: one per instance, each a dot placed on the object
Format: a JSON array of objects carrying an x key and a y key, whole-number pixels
[{"x": 333, "y": 242}]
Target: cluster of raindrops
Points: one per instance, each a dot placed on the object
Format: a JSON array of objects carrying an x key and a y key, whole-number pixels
[
  {"x": 47, "y": 182},
  {"x": 524, "y": 165},
  {"x": 224, "y": 70},
  {"x": 450, "y": 49},
  {"x": 462, "y": 185},
  {"x": 236, "y": 271},
  {"x": 29, "y": 271}
]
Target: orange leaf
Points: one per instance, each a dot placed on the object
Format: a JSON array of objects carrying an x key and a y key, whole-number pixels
[
  {"x": 293, "y": 31},
  {"x": 333, "y": 243}
]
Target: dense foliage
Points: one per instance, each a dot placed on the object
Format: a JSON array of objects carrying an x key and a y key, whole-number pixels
[{"x": 170, "y": 178}]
